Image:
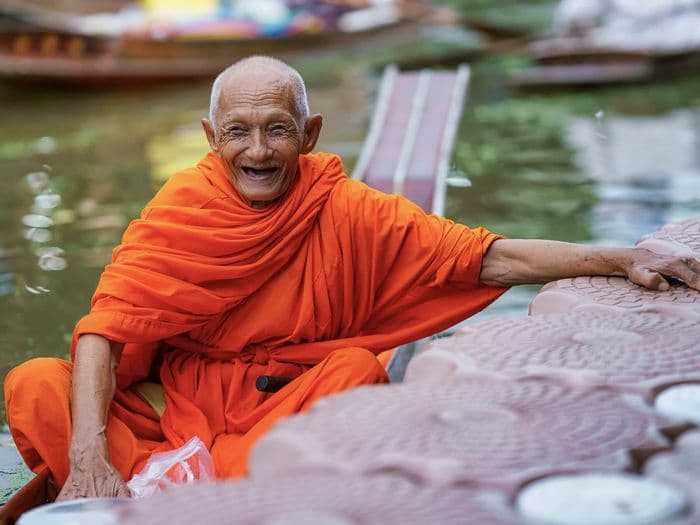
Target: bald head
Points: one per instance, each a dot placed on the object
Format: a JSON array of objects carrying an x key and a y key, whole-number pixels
[
  {"x": 272, "y": 71},
  {"x": 259, "y": 126}
]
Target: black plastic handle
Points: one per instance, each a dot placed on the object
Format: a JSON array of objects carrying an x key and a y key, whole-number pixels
[{"x": 271, "y": 383}]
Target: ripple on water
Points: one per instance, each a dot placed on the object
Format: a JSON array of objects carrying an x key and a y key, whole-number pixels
[
  {"x": 38, "y": 181},
  {"x": 47, "y": 201},
  {"x": 34, "y": 220}
]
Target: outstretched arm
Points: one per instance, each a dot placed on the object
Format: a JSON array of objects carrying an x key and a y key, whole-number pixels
[
  {"x": 519, "y": 261},
  {"x": 91, "y": 472}
]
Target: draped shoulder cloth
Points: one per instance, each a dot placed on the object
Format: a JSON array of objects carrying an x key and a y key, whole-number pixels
[{"x": 358, "y": 267}]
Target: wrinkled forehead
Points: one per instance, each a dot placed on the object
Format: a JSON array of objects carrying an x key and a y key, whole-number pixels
[{"x": 256, "y": 93}]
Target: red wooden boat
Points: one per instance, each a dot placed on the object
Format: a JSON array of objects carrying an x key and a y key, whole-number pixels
[
  {"x": 566, "y": 62},
  {"x": 45, "y": 54}
]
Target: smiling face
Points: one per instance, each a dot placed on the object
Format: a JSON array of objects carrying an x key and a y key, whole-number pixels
[{"x": 258, "y": 132}]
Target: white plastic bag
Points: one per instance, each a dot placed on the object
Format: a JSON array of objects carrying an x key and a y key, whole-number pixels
[{"x": 188, "y": 464}]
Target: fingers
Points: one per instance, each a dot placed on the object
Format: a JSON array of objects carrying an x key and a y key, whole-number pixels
[
  {"x": 693, "y": 264},
  {"x": 123, "y": 491},
  {"x": 649, "y": 279},
  {"x": 62, "y": 496},
  {"x": 687, "y": 269},
  {"x": 648, "y": 269},
  {"x": 100, "y": 483},
  {"x": 69, "y": 491}
]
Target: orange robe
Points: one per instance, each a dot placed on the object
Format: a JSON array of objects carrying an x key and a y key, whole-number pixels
[{"x": 208, "y": 293}]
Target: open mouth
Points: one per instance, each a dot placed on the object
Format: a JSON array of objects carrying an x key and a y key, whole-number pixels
[{"x": 259, "y": 173}]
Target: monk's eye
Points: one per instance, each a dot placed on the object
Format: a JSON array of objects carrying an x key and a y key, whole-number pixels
[
  {"x": 277, "y": 129},
  {"x": 236, "y": 131}
]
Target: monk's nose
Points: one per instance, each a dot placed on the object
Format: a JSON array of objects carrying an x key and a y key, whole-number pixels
[{"x": 258, "y": 149}]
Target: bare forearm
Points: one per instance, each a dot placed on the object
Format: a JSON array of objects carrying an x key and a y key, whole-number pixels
[
  {"x": 91, "y": 472},
  {"x": 93, "y": 388},
  {"x": 517, "y": 261}
]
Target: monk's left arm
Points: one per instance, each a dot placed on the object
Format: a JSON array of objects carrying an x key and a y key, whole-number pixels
[{"x": 519, "y": 261}]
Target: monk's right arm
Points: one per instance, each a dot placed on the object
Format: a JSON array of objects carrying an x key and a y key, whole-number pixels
[{"x": 94, "y": 383}]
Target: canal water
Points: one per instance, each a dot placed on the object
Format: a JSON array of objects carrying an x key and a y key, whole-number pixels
[{"x": 595, "y": 167}]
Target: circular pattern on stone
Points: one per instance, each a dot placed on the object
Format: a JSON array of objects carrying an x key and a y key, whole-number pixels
[
  {"x": 680, "y": 402},
  {"x": 686, "y": 233},
  {"x": 567, "y": 294},
  {"x": 475, "y": 429},
  {"x": 595, "y": 499},
  {"x": 310, "y": 499},
  {"x": 593, "y": 336},
  {"x": 617, "y": 349}
]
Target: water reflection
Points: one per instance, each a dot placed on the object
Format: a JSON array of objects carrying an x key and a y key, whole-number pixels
[
  {"x": 647, "y": 169},
  {"x": 38, "y": 223},
  {"x": 58, "y": 224},
  {"x": 601, "y": 178},
  {"x": 184, "y": 146}
]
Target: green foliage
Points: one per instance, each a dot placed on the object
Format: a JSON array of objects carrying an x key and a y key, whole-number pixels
[
  {"x": 528, "y": 16},
  {"x": 524, "y": 180}
]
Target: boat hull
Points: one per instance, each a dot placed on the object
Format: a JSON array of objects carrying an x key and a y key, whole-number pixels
[{"x": 49, "y": 57}]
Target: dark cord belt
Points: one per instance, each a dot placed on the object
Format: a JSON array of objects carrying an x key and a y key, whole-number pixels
[{"x": 271, "y": 383}]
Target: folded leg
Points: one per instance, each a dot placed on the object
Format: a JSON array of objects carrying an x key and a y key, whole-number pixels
[
  {"x": 342, "y": 370},
  {"x": 37, "y": 399}
]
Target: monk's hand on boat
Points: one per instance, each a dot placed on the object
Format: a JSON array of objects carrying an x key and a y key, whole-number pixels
[
  {"x": 658, "y": 271},
  {"x": 91, "y": 473}
]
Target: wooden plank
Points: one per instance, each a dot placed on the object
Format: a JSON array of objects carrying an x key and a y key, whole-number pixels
[
  {"x": 409, "y": 147},
  {"x": 376, "y": 125},
  {"x": 412, "y": 133},
  {"x": 581, "y": 75}
]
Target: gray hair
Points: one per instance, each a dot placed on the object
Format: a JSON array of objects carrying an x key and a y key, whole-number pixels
[{"x": 294, "y": 79}]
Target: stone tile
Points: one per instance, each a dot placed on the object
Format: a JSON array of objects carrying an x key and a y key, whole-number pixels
[
  {"x": 309, "y": 498},
  {"x": 615, "y": 294},
  {"x": 634, "y": 352},
  {"x": 479, "y": 429},
  {"x": 678, "y": 238}
]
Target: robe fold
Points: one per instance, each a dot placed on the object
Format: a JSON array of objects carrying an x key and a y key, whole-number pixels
[{"x": 208, "y": 293}]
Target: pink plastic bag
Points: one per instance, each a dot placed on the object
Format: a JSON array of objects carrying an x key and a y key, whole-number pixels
[{"x": 191, "y": 463}]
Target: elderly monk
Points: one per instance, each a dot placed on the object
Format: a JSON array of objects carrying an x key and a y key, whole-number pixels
[{"x": 264, "y": 259}]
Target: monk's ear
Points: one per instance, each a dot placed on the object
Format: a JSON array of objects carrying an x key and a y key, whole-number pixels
[
  {"x": 311, "y": 132},
  {"x": 209, "y": 132}
]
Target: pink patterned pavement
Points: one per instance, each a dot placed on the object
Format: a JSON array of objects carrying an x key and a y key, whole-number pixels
[{"x": 594, "y": 347}]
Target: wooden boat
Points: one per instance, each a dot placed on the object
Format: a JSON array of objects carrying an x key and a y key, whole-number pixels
[
  {"x": 53, "y": 55},
  {"x": 566, "y": 62},
  {"x": 412, "y": 133},
  {"x": 38, "y": 491}
]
